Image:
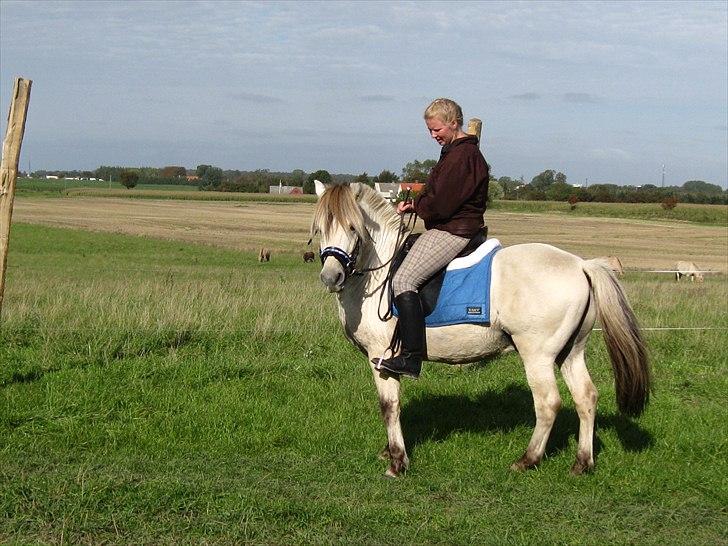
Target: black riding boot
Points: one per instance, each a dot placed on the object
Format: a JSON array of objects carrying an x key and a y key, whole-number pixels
[{"x": 412, "y": 334}]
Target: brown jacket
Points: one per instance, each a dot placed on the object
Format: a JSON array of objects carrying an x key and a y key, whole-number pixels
[{"x": 457, "y": 190}]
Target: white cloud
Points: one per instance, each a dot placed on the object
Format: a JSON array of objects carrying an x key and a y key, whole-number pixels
[
  {"x": 610, "y": 153},
  {"x": 658, "y": 69}
]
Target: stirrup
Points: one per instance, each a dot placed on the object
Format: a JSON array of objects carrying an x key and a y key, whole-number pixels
[{"x": 398, "y": 366}]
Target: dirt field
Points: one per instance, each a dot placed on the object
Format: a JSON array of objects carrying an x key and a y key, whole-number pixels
[{"x": 285, "y": 228}]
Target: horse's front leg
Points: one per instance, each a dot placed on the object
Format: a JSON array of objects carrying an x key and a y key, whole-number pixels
[{"x": 388, "y": 390}]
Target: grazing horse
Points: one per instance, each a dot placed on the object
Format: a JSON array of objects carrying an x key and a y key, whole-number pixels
[
  {"x": 264, "y": 255},
  {"x": 544, "y": 302},
  {"x": 308, "y": 257},
  {"x": 688, "y": 269}
]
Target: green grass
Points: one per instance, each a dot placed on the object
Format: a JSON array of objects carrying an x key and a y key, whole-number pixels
[
  {"x": 715, "y": 215},
  {"x": 62, "y": 187},
  {"x": 160, "y": 393},
  {"x": 151, "y": 192}
]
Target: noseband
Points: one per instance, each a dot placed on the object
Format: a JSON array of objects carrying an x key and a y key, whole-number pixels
[{"x": 347, "y": 261}]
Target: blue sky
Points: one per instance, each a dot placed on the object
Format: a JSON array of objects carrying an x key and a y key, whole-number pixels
[{"x": 604, "y": 91}]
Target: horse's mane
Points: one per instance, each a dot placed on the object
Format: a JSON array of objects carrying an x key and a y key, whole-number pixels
[{"x": 341, "y": 203}]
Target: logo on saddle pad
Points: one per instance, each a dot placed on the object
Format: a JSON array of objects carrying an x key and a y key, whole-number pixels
[{"x": 464, "y": 295}]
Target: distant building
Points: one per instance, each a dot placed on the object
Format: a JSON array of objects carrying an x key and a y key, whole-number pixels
[
  {"x": 285, "y": 190},
  {"x": 391, "y": 191},
  {"x": 388, "y": 191}
]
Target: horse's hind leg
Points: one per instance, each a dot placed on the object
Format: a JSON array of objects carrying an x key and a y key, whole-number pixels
[
  {"x": 585, "y": 397},
  {"x": 546, "y": 401}
]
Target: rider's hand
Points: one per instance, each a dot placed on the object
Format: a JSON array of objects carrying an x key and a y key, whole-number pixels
[{"x": 405, "y": 206}]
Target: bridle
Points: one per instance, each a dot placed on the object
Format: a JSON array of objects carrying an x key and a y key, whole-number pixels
[{"x": 348, "y": 261}]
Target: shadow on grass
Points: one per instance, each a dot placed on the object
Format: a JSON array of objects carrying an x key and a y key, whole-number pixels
[{"x": 435, "y": 418}]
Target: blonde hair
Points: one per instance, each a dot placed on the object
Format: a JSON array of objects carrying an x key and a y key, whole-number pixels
[{"x": 445, "y": 109}]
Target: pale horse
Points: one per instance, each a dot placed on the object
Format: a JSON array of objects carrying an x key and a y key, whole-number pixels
[
  {"x": 544, "y": 302},
  {"x": 688, "y": 269}
]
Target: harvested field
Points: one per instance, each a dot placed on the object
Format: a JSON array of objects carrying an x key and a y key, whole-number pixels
[{"x": 284, "y": 227}]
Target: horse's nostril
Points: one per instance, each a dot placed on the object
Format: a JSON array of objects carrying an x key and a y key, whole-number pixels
[{"x": 332, "y": 279}]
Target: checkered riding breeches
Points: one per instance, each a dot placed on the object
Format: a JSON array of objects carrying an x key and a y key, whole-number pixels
[{"x": 432, "y": 251}]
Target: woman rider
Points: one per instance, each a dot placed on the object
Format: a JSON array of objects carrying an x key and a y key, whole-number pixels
[{"x": 452, "y": 206}]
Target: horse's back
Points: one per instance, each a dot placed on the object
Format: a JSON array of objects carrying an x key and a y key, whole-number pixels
[
  {"x": 686, "y": 267},
  {"x": 540, "y": 287},
  {"x": 689, "y": 269}
]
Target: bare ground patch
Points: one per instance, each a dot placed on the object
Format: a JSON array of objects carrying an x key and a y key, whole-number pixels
[{"x": 284, "y": 227}]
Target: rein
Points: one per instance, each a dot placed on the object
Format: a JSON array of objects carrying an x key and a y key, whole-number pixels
[{"x": 348, "y": 263}]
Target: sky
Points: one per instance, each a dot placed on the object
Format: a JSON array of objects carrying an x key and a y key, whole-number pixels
[{"x": 605, "y": 92}]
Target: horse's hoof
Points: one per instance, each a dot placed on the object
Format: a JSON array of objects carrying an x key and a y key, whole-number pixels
[
  {"x": 394, "y": 473},
  {"x": 581, "y": 467},
  {"x": 524, "y": 463}
]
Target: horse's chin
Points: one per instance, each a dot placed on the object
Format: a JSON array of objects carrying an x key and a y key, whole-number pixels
[{"x": 334, "y": 289}]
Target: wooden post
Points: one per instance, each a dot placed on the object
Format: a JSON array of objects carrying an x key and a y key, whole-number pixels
[
  {"x": 9, "y": 168},
  {"x": 474, "y": 127}
]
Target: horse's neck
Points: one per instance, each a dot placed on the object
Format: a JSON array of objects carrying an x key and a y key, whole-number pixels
[{"x": 364, "y": 298}]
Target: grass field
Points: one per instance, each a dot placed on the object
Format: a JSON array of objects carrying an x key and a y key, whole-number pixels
[
  {"x": 161, "y": 392},
  {"x": 714, "y": 215},
  {"x": 284, "y": 227}
]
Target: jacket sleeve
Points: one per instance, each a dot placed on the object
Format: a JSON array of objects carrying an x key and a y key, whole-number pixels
[{"x": 451, "y": 187}]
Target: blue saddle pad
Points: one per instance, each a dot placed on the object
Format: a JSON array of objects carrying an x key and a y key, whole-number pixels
[{"x": 465, "y": 293}]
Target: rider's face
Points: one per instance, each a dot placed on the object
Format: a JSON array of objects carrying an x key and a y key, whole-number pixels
[{"x": 443, "y": 133}]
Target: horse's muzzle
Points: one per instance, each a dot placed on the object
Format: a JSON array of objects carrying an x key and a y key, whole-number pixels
[{"x": 333, "y": 276}]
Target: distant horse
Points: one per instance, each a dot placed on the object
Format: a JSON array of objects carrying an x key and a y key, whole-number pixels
[
  {"x": 308, "y": 257},
  {"x": 544, "y": 302},
  {"x": 613, "y": 263},
  {"x": 688, "y": 269},
  {"x": 264, "y": 255}
]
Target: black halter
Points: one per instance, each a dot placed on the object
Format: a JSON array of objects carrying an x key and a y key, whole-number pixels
[{"x": 347, "y": 261}]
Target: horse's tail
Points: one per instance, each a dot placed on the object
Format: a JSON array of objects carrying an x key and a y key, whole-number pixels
[{"x": 627, "y": 350}]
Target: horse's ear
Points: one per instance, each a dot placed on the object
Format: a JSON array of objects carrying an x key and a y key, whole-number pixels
[{"x": 320, "y": 187}]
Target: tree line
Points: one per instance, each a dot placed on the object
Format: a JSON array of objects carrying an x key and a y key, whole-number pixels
[{"x": 549, "y": 185}]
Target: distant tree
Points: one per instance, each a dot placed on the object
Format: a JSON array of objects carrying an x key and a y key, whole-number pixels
[
  {"x": 508, "y": 185},
  {"x": 559, "y": 191},
  {"x": 211, "y": 177},
  {"x": 545, "y": 179},
  {"x": 298, "y": 177},
  {"x": 173, "y": 171},
  {"x": 321, "y": 176},
  {"x": 128, "y": 179},
  {"x": 363, "y": 178},
  {"x": 201, "y": 170},
  {"x": 698, "y": 186},
  {"x": 418, "y": 171},
  {"x": 531, "y": 193},
  {"x": 495, "y": 191},
  {"x": 604, "y": 193},
  {"x": 386, "y": 177},
  {"x": 108, "y": 173}
]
